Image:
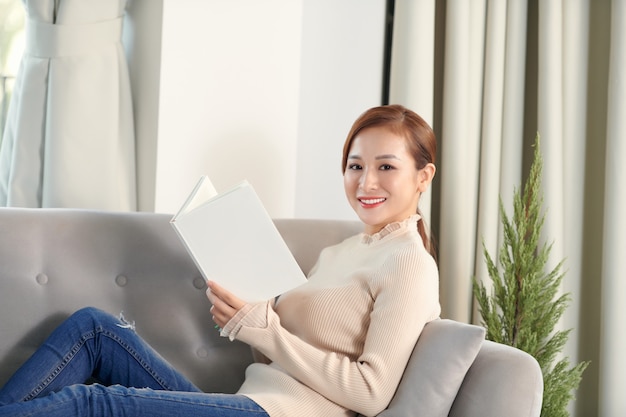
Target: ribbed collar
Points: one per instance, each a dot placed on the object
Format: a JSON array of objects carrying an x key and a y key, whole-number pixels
[{"x": 391, "y": 229}]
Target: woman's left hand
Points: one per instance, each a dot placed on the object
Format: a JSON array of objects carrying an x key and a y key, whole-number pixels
[{"x": 225, "y": 304}]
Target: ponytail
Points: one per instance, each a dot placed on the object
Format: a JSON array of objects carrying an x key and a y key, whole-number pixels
[{"x": 424, "y": 232}]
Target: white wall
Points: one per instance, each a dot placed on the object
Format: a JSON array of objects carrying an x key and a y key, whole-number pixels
[
  {"x": 229, "y": 98},
  {"x": 263, "y": 90},
  {"x": 341, "y": 76}
]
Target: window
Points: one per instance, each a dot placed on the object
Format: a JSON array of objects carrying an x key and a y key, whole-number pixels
[{"x": 11, "y": 47}]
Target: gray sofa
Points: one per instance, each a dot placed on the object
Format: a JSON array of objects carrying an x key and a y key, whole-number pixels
[{"x": 55, "y": 261}]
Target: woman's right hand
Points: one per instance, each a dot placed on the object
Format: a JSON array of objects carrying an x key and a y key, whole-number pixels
[{"x": 225, "y": 304}]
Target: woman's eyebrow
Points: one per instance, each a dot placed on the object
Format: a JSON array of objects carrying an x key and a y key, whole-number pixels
[{"x": 387, "y": 156}]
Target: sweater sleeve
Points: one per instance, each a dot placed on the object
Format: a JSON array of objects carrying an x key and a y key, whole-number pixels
[{"x": 406, "y": 298}]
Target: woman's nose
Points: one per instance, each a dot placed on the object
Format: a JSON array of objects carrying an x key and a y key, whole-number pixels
[{"x": 369, "y": 180}]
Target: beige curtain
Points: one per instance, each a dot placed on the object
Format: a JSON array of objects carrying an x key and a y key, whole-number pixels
[
  {"x": 489, "y": 75},
  {"x": 612, "y": 362},
  {"x": 69, "y": 140}
]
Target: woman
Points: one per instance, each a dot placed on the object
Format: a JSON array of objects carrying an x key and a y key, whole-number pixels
[{"x": 335, "y": 346}]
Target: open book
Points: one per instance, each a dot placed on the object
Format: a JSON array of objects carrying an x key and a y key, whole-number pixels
[{"x": 233, "y": 241}]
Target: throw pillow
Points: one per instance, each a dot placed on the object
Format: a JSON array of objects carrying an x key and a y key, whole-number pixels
[{"x": 442, "y": 356}]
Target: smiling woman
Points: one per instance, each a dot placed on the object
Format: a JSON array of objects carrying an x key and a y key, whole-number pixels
[
  {"x": 388, "y": 162},
  {"x": 382, "y": 181},
  {"x": 337, "y": 345}
]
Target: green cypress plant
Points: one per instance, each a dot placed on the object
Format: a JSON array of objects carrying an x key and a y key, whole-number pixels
[{"x": 523, "y": 306}]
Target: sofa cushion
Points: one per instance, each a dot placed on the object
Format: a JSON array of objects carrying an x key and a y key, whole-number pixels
[{"x": 441, "y": 358}]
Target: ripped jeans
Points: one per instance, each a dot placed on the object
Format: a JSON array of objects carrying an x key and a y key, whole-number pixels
[{"x": 133, "y": 380}]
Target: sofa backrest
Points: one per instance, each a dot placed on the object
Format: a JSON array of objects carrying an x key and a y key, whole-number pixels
[{"x": 55, "y": 261}]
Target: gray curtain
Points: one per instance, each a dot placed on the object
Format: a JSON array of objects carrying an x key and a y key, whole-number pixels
[{"x": 69, "y": 138}]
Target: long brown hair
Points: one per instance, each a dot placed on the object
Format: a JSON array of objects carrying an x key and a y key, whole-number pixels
[{"x": 420, "y": 139}]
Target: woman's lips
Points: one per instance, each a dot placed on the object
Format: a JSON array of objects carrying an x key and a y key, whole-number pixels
[{"x": 370, "y": 202}]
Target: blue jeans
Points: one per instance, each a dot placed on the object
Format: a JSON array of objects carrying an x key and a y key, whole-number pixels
[{"x": 132, "y": 379}]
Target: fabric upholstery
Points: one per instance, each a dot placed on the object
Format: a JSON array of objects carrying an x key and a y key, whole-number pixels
[
  {"x": 444, "y": 352},
  {"x": 55, "y": 261},
  {"x": 502, "y": 370}
]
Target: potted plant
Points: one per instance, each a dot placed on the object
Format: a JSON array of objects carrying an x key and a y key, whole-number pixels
[{"x": 524, "y": 305}]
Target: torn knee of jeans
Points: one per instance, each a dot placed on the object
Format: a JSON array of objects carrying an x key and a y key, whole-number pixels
[{"x": 125, "y": 323}]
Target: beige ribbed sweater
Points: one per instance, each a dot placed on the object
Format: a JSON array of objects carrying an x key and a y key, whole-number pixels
[{"x": 339, "y": 343}]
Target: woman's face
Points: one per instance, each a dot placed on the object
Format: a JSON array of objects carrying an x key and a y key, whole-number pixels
[{"x": 381, "y": 180}]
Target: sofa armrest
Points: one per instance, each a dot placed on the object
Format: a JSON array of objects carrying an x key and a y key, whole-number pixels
[{"x": 502, "y": 381}]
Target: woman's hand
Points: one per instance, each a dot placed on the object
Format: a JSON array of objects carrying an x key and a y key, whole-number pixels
[{"x": 225, "y": 304}]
